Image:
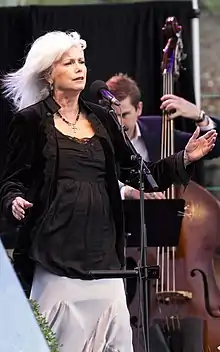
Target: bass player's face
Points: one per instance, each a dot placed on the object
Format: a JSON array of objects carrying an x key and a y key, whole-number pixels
[{"x": 130, "y": 114}]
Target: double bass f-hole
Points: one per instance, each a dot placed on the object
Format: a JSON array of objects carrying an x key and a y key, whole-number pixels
[{"x": 173, "y": 55}]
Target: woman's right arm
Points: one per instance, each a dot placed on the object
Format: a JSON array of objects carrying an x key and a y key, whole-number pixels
[{"x": 18, "y": 172}]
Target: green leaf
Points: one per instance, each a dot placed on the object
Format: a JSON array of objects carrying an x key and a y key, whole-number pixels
[{"x": 49, "y": 335}]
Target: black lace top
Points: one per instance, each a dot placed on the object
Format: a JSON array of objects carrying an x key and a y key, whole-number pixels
[{"x": 78, "y": 232}]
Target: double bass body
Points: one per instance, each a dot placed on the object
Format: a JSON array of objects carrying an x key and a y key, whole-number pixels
[{"x": 199, "y": 240}]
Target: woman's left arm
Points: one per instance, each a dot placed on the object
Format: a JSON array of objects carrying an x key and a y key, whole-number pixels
[
  {"x": 168, "y": 171},
  {"x": 176, "y": 169}
]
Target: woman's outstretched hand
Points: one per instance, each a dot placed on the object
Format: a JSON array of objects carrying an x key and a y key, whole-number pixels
[
  {"x": 19, "y": 205},
  {"x": 197, "y": 147}
]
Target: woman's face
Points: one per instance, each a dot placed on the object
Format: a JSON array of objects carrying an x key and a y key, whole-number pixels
[{"x": 69, "y": 73}]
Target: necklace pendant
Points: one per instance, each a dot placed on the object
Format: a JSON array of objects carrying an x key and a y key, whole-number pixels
[{"x": 74, "y": 128}]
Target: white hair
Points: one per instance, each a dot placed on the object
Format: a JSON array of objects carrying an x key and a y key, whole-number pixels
[{"x": 28, "y": 85}]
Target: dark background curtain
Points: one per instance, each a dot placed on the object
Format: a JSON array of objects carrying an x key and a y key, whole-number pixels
[
  {"x": 121, "y": 38},
  {"x": 124, "y": 38}
]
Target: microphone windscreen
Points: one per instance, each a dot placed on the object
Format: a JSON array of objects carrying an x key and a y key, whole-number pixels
[{"x": 96, "y": 87}]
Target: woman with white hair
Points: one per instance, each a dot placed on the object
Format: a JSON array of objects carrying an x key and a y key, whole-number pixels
[{"x": 60, "y": 184}]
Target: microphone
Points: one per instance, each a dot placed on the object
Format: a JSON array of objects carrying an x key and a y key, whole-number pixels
[{"x": 100, "y": 89}]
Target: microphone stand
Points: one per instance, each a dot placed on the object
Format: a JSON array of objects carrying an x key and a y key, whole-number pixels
[{"x": 143, "y": 271}]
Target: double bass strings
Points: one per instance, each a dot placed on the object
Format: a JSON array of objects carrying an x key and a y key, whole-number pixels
[{"x": 166, "y": 254}]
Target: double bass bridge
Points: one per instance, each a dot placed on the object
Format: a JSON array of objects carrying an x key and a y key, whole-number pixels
[{"x": 179, "y": 297}]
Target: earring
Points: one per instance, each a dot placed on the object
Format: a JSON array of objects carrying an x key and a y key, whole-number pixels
[{"x": 51, "y": 87}]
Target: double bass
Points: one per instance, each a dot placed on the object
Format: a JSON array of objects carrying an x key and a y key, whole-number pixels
[{"x": 185, "y": 301}]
